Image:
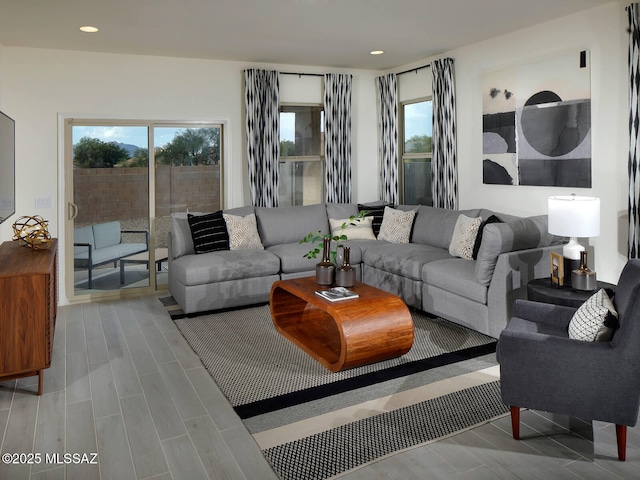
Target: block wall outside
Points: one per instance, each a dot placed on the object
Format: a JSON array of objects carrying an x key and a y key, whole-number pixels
[{"x": 107, "y": 194}]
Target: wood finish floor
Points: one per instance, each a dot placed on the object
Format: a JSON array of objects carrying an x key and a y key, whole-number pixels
[{"x": 124, "y": 384}]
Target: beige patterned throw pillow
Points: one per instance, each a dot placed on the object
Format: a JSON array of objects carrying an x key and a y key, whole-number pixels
[
  {"x": 360, "y": 230},
  {"x": 464, "y": 236},
  {"x": 243, "y": 232},
  {"x": 396, "y": 225}
]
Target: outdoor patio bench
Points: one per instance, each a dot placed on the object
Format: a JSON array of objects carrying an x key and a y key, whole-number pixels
[{"x": 100, "y": 244}]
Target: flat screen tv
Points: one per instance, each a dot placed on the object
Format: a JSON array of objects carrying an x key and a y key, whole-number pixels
[{"x": 7, "y": 167}]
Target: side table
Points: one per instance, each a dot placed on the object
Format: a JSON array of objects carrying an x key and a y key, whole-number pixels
[{"x": 542, "y": 290}]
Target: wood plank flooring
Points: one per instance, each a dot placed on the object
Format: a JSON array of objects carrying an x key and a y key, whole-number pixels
[{"x": 125, "y": 385}]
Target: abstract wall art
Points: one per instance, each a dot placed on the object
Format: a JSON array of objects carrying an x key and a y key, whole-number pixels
[{"x": 537, "y": 123}]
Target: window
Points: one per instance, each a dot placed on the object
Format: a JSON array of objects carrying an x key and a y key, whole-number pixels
[
  {"x": 301, "y": 155},
  {"x": 417, "y": 150},
  {"x": 138, "y": 173}
]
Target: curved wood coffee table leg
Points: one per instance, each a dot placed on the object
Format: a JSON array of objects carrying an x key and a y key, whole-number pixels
[{"x": 343, "y": 334}]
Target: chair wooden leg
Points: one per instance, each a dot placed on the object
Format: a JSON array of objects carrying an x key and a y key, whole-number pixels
[
  {"x": 621, "y": 436},
  {"x": 515, "y": 422}
]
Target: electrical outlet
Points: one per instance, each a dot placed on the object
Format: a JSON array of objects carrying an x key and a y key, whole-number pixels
[{"x": 44, "y": 202}]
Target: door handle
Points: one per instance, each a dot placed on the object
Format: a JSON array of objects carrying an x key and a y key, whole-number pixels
[{"x": 72, "y": 210}]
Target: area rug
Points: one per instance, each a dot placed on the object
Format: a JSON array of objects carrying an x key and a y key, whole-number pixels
[{"x": 314, "y": 424}]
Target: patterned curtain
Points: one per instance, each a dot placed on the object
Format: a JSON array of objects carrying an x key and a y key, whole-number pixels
[
  {"x": 263, "y": 135},
  {"x": 387, "y": 87},
  {"x": 337, "y": 137},
  {"x": 633, "y": 12},
  {"x": 444, "y": 163}
]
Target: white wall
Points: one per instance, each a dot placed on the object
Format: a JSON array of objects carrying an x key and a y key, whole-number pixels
[
  {"x": 602, "y": 31},
  {"x": 40, "y": 86}
]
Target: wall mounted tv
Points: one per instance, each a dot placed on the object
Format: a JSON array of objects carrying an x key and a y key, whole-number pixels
[{"x": 7, "y": 167}]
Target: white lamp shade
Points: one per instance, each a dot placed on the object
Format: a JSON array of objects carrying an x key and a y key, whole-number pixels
[{"x": 573, "y": 216}]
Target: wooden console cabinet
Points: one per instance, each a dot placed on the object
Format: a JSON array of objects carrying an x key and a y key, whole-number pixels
[{"x": 28, "y": 305}]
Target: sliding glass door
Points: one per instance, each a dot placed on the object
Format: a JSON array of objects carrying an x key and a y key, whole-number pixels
[{"x": 122, "y": 194}]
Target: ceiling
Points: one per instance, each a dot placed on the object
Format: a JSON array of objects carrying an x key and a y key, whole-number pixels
[{"x": 328, "y": 33}]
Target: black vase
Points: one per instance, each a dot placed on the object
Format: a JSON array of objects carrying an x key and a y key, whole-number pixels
[
  {"x": 326, "y": 269},
  {"x": 346, "y": 274}
]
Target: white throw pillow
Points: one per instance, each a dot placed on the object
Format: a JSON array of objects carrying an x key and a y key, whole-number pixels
[
  {"x": 361, "y": 230},
  {"x": 396, "y": 225},
  {"x": 464, "y": 236},
  {"x": 588, "y": 323},
  {"x": 243, "y": 232}
]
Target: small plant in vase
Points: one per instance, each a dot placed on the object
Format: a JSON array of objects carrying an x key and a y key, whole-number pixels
[{"x": 326, "y": 269}]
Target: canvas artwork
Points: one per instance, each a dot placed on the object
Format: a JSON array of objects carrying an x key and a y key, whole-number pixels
[{"x": 537, "y": 123}]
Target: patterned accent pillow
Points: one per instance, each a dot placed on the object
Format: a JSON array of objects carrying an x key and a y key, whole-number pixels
[
  {"x": 362, "y": 229},
  {"x": 596, "y": 319},
  {"x": 376, "y": 212},
  {"x": 464, "y": 236},
  {"x": 396, "y": 225},
  {"x": 243, "y": 232},
  {"x": 209, "y": 232}
]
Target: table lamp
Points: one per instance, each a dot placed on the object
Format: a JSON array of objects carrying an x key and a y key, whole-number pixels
[{"x": 575, "y": 217}]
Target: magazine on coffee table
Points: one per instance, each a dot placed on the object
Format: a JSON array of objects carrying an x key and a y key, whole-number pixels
[{"x": 337, "y": 294}]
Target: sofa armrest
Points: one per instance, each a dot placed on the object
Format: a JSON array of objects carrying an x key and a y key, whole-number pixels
[
  {"x": 89, "y": 251},
  {"x": 509, "y": 282}
]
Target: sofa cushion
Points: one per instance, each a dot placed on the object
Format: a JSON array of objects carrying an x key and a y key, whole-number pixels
[
  {"x": 464, "y": 236},
  {"x": 181, "y": 239},
  {"x": 240, "y": 211},
  {"x": 478, "y": 241},
  {"x": 455, "y": 275},
  {"x": 396, "y": 225},
  {"x": 209, "y": 232},
  {"x": 499, "y": 238},
  {"x": 106, "y": 234},
  {"x": 341, "y": 210},
  {"x": 403, "y": 259},
  {"x": 243, "y": 232},
  {"x": 357, "y": 229},
  {"x": 290, "y": 224},
  {"x": 434, "y": 226},
  {"x": 224, "y": 265}
]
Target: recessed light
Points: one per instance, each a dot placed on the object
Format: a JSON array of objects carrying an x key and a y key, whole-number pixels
[
  {"x": 377, "y": 52},
  {"x": 88, "y": 29}
]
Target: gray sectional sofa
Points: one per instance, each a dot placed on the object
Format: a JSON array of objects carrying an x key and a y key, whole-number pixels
[{"x": 474, "y": 293}]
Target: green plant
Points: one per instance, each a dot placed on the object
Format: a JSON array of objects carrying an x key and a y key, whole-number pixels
[{"x": 316, "y": 238}]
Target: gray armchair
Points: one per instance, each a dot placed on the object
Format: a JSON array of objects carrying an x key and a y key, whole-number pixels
[{"x": 541, "y": 368}]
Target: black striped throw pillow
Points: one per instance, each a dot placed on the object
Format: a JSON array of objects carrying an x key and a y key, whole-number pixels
[{"x": 209, "y": 232}]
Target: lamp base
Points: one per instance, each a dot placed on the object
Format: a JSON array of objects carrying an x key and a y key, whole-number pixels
[
  {"x": 583, "y": 279},
  {"x": 570, "y": 264}
]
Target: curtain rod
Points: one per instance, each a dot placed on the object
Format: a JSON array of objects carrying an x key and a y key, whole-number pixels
[
  {"x": 300, "y": 74},
  {"x": 414, "y": 69}
]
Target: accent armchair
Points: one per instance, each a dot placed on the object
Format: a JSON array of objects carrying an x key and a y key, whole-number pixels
[{"x": 541, "y": 368}]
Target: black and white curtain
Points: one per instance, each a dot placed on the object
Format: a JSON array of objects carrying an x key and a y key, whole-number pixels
[
  {"x": 263, "y": 135},
  {"x": 387, "y": 89},
  {"x": 337, "y": 137},
  {"x": 633, "y": 12},
  {"x": 444, "y": 164}
]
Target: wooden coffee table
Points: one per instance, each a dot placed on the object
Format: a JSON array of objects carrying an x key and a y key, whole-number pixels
[{"x": 373, "y": 327}]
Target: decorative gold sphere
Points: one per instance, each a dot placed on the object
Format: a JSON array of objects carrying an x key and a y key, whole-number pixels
[{"x": 32, "y": 232}]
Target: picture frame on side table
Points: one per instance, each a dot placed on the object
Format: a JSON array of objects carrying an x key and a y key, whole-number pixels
[{"x": 556, "y": 267}]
